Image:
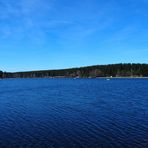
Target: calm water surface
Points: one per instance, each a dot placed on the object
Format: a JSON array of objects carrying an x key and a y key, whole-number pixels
[{"x": 73, "y": 113}]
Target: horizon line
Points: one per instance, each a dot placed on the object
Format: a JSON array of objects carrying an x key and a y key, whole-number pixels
[{"x": 72, "y": 67}]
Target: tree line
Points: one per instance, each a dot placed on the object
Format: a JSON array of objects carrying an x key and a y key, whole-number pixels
[{"x": 110, "y": 70}]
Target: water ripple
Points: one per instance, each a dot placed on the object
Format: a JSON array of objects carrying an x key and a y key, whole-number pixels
[{"x": 38, "y": 113}]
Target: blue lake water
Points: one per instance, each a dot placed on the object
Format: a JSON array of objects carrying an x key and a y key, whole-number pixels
[{"x": 73, "y": 113}]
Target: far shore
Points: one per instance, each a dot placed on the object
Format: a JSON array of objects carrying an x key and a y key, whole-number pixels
[{"x": 76, "y": 78}]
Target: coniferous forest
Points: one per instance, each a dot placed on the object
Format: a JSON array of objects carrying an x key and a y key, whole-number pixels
[{"x": 111, "y": 70}]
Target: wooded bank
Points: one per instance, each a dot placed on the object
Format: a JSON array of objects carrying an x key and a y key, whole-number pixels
[{"x": 110, "y": 70}]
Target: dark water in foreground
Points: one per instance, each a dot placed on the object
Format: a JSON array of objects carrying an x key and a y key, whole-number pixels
[{"x": 73, "y": 113}]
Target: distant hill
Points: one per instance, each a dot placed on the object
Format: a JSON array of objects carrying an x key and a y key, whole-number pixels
[{"x": 110, "y": 70}]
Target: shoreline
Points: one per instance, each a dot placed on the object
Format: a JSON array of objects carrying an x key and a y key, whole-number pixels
[{"x": 77, "y": 78}]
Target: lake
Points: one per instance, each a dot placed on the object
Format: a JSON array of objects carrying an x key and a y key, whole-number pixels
[{"x": 73, "y": 113}]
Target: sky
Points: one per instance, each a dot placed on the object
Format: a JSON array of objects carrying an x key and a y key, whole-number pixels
[{"x": 57, "y": 34}]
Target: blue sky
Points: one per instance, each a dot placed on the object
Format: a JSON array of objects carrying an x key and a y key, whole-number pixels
[{"x": 52, "y": 34}]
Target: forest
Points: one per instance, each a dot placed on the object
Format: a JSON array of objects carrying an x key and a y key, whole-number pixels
[{"x": 110, "y": 70}]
